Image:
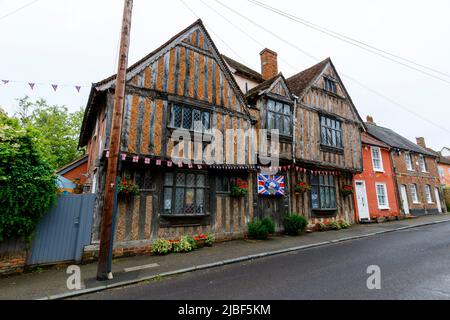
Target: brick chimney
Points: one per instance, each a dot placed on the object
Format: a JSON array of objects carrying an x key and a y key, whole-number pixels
[
  {"x": 421, "y": 142},
  {"x": 269, "y": 64},
  {"x": 370, "y": 120}
]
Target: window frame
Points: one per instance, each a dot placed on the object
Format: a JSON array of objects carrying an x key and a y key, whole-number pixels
[
  {"x": 422, "y": 163},
  {"x": 329, "y": 130},
  {"x": 173, "y": 186},
  {"x": 315, "y": 182},
  {"x": 279, "y": 114},
  {"x": 381, "y": 167},
  {"x": 428, "y": 195},
  {"x": 415, "y": 200},
  {"x": 386, "y": 205},
  {"x": 329, "y": 85},
  {"x": 193, "y": 110},
  {"x": 409, "y": 161}
]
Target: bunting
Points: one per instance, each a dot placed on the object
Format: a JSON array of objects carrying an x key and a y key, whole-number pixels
[{"x": 54, "y": 86}]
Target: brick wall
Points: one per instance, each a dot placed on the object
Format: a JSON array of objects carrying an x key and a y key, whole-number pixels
[
  {"x": 421, "y": 179},
  {"x": 13, "y": 256}
]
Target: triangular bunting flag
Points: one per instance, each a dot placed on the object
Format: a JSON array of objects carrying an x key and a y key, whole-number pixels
[
  {"x": 147, "y": 160},
  {"x": 31, "y": 85},
  {"x": 158, "y": 162},
  {"x": 78, "y": 88},
  {"x": 199, "y": 166},
  {"x": 135, "y": 158},
  {"x": 169, "y": 163},
  {"x": 54, "y": 86},
  {"x": 124, "y": 156},
  {"x": 5, "y": 81}
]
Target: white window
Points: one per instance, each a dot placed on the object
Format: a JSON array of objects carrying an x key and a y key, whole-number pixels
[
  {"x": 428, "y": 194},
  {"x": 441, "y": 172},
  {"x": 408, "y": 161},
  {"x": 383, "y": 202},
  {"x": 376, "y": 159},
  {"x": 422, "y": 164},
  {"x": 414, "y": 195}
]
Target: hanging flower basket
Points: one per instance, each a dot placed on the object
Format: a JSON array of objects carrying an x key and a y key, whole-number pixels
[
  {"x": 301, "y": 187},
  {"x": 347, "y": 190},
  {"x": 239, "y": 189},
  {"x": 127, "y": 189}
]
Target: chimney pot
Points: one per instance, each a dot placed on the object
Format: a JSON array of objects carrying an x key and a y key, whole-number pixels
[
  {"x": 421, "y": 142},
  {"x": 269, "y": 64},
  {"x": 370, "y": 120}
]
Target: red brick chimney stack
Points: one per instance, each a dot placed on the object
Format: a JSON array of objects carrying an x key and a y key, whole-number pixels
[
  {"x": 421, "y": 142},
  {"x": 269, "y": 64}
]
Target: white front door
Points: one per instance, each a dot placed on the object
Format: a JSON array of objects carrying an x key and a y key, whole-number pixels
[
  {"x": 404, "y": 199},
  {"x": 438, "y": 199},
  {"x": 361, "y": 200}
]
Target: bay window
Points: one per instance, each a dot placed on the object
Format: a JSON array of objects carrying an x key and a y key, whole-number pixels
[
  {"x": 279, "y": 117},
  {"x": 330, "y": 132}
]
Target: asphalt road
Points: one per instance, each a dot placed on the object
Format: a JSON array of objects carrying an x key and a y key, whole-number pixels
[{"x": 414, "y": 264}]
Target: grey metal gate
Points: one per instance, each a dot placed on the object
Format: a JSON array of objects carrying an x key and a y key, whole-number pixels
[{"x": 64, "y": 231}]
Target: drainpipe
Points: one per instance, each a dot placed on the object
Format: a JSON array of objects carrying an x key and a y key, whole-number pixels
[{"x": 394, "y": 170}]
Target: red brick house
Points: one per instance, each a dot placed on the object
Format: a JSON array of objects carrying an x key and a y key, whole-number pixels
[
  {"x": 76, "y": 171},
  {"x": 415, "y": 171},
  {"x": 375, "y": 192}
]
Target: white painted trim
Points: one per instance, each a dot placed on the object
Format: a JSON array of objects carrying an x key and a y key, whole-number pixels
[{"x": 382, "y": 207}]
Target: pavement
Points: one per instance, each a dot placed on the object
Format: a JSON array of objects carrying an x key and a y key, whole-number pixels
[
  {"x": 410, "y": 264},
  {"x": 51, "y": 283}
]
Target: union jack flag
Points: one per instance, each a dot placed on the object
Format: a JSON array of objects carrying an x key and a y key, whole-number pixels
[{"x": 271, "y": 185}]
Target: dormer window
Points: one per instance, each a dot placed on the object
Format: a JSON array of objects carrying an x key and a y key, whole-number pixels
[
  {"x": 330, "y": 85},
  {"x": 279, "y": 117}
]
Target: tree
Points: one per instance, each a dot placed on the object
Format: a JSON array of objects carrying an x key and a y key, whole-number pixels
[
  {"x": 27, "y": 181},
  {"x": 57, "y": 128}
]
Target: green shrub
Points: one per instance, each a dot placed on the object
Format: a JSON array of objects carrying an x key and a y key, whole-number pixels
[
  {"x": 344, "y": 224},
  {"x": 27, "y": 181},
  {"x": 270, "y": 225},
  {"x": 334, "y": 225},
  {"x": 209, "y": 240},
  {"x": 257, "y": 230},
  {"x": 184, "y": 245},
  {"x": 161, "y": 246},
  {"x": 321, "y": 226},
  {"x": 192, "y": 241},
  {"x": 294, "y": 224}
]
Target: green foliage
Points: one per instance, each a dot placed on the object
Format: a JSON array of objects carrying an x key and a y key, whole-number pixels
[
  {"x": 294, "y": 224},
  {"x": 270, "y": 225},
  {"x": 257, "y": 230},
  {"x": 184, "y": 245},
  {"x": 192, "y": 242},
  {"x": 209, "y": 240},
  {"x": 238, "y": 192},
  {"x": 334, "y": 225},
  {"x": 344, "y": 224},
  {"x": 27, "y": 181},
  {"x": 57, "y": 129},
  {"x": 161, "y": 246}
]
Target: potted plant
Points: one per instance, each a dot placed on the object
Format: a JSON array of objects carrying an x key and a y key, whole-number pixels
[
  {"x": 301, "y": 187},
  {"x": 347, "y": 190},
  {"x": 127, "y": 189},
  {"x": 239, "y": 188},
  {"x": 200, "y": 240}
]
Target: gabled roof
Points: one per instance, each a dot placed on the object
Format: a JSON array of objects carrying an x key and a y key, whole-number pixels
[
  {"x": 72, "y": 165},
  {"x": 299, "y": 82},
  {"x": 264, "y": 86},
  {"x": 366, "y": 138},
  {"x": 243, "y": 70},
  {"x": 395, "y": 140},
  {"x": 441, "y": 158},
  {"x": 98, "y": 89}
]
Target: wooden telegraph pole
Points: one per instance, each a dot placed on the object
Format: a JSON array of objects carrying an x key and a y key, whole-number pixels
[{"x": 106, "y": 236}]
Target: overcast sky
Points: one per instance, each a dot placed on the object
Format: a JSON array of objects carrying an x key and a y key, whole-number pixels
[{"x": 76, "y": 42}]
